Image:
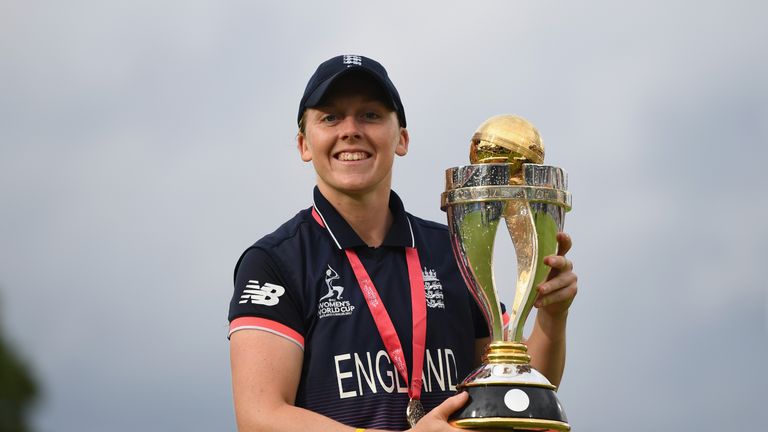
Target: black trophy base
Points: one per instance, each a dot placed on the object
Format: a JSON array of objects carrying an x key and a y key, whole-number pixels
[{"x": 508, "y": 407}]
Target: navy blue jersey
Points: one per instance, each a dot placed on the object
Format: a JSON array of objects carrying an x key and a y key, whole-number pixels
[{"x": 298, "y": 283}]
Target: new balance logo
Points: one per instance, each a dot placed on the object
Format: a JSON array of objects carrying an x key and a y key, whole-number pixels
[
  {"x": 352, "y": 60},
  {"x": 267, "y": 294}
]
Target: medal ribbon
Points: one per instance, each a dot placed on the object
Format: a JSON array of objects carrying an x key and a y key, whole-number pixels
[{"x": 384, "y": 322}]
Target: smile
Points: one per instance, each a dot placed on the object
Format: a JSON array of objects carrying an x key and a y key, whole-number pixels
[{"x": 352, "y": 156}]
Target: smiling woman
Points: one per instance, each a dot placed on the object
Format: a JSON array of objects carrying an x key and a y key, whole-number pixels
[
  {"x": 330, "y": 327},
  {"x": 351, "y": 137}
]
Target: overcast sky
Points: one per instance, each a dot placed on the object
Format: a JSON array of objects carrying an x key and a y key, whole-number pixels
[{"x": 145, "y": 144}]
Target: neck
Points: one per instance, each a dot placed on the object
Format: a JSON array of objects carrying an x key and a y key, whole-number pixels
[{"x": 367, "y": 214}]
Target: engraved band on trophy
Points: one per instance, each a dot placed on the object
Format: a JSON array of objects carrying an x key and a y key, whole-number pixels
[{"x": 506, "y": 180}]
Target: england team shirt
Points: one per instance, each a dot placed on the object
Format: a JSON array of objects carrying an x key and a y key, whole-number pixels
[{"x": 297, "y": 283}]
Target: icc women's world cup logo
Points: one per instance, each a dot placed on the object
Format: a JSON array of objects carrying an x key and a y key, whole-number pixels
[{"x": 332, "y": 303}]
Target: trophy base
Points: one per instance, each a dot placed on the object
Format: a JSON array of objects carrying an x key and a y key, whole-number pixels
[
  {"x": 506, "y": 393},
  {"x": 511, "y": 407}
]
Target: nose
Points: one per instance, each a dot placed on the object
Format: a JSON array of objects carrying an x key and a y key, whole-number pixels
[{"x": 349, "y": 128}]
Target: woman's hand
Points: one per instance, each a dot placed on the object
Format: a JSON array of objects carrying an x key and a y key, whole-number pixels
[
  {"x": 437, "y": 419},
  {"x": 557, "y": 293},
  {"x": 547, "y": 342}
]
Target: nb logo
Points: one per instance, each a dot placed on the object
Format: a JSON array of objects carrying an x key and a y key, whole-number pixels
[
  {"x": 352, "y": 60},
  {"x": 267, "y": 294}
]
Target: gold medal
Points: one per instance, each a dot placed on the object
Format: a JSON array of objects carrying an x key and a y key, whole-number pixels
[{"x": 414, "y": 412}]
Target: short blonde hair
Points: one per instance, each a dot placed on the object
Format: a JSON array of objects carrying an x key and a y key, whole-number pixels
[{"x": 303, "y": 123}]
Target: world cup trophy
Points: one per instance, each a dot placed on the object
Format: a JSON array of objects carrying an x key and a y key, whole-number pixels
[{"x": 506, "y": 181}]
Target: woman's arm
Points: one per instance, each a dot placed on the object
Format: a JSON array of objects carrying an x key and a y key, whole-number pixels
[
  {"x": 265, "y": 376},
  {"x": 546, "y": 344}
]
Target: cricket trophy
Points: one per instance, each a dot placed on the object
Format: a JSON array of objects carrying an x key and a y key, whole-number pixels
[{"x": 506, "y": 180}]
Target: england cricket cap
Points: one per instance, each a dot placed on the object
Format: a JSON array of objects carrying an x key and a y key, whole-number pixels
[{"x": 330, "y": 70}]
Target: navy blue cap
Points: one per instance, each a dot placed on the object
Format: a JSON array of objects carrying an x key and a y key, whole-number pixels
[{"x": 330, "y": 70}]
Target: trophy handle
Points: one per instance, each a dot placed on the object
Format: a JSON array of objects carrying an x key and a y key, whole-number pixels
[
  {"x": 533, "y": 228},
  {"x": 520, "y": 223},
  {"x": 473, "y": 229}
]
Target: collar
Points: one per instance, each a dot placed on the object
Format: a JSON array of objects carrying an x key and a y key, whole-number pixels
[{"x": 400, "y": 233}]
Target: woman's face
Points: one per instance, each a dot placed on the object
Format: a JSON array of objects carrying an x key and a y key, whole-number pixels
[{"x": 352, "y": 139}]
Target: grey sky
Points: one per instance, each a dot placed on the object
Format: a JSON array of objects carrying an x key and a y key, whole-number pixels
[{"x": 144, "y": 145}]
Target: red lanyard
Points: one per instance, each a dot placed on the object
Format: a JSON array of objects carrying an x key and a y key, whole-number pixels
[{"x": 384, "y": 322}]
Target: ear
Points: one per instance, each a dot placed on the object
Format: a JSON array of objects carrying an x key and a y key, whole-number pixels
[
  {"x": 402, "y": 145},
  {"x": 302, "y": 144}
]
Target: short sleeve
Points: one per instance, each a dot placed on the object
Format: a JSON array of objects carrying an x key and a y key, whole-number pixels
[{"x": 263, "y": 299}]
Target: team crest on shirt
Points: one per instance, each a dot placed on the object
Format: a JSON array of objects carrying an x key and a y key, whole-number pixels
[
  {"x": 333, "y": 303},
  {"x": 433, "y": 289}
]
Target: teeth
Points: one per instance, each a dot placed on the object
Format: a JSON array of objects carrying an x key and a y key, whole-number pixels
[{"x": 352, "y": 156}]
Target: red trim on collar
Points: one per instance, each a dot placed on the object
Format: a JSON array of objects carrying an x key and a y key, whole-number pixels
[{"x": 317, "y": 217}]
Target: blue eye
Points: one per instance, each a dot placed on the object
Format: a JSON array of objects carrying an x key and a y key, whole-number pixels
[
  {"x": 330, "y": 118},
  {"x": 371, "y": 115}
]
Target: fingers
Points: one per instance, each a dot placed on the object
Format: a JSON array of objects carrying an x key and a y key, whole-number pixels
[
  {"x": 559, "y": 263},
  {"x": 560, "y": 287},
  {"x": 453, "y": 403},
  {"x": 557, "y": 283},
  {"x": 437, "y": 419},
  {"x": 563, "y": 292},
  {"x": 564, "y": 243}
]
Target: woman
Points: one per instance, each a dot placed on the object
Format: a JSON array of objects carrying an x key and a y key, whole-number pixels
[{"x": 330, "y": 314}]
